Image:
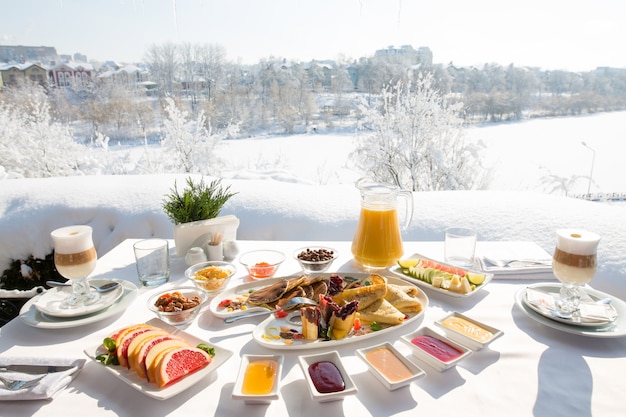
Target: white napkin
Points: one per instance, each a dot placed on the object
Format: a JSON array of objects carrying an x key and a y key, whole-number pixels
[
  {"x": 48, "y": 387},
  {"x": 514, "y": 250}
]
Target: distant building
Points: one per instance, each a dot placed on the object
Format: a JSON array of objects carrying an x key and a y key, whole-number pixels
[
  {"x": 72, "y": 73},
  {"x": 423, "y": 55},
  {"x": 11, "y": 74},
  {"x": 20, "y": 54}
]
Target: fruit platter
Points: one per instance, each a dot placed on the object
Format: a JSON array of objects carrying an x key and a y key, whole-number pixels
[
  {"x": 440, "y": 277},
  {"x": 348, "y": 308},
  {"x": 157, "y": 359}
]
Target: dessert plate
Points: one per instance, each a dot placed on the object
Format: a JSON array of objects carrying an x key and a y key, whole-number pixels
[
  {"x": 152, "y": 390},
  {"x": 612, "y": 330},
  {"x": 31, "y": 316},
  {"x": 50, "y": 301},
  {"x": 541, "y": 298}
]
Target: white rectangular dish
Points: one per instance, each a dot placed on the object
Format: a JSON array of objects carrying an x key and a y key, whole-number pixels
[
  {"x": 467, "y": 331},
  {"x": 152, "y": 390},
  {"x": 428, "y": 358},
  {"x": 398, "y": 271},
  {"x": 383, "y": 372}
]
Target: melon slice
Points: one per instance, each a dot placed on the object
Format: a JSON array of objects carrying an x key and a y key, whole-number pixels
[
  {"x": 176, "y": 363},
  {"x": 157, "y": 352}
]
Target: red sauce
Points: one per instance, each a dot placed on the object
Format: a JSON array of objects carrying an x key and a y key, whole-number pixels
[
  {"x": 326, "y": 377},
  {"x": 437, "y": 348}
]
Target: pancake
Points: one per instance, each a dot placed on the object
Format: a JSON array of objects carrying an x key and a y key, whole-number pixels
[
  {"x": 399, "y": 297},
  {"x": 382, "y": 312}
]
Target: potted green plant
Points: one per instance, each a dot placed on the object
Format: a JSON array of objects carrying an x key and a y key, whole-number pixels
[{"x": 195, "y": 211}]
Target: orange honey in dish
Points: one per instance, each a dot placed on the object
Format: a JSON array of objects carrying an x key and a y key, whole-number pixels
[
  {"x": 377, "y": 242},
  {"x": 259, "y": 377},
  {"x": 388, "y": 364}
]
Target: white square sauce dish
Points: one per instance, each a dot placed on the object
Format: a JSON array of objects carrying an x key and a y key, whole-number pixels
[
  {"x": 467, "y": 331},
  {"x": 389, "y": 366},
  {"x": 258, "y": 381},
  {"x": 326, "y": 376},
  {"x": 435, "y": 349}
]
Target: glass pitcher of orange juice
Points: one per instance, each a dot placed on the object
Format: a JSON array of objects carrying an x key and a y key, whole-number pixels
[{"x": 377, "y": 241}]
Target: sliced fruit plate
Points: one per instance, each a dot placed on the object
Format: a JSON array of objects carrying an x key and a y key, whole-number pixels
[
  {"x": 441, "y": 277},
  {"x": 170, "y": 338}
]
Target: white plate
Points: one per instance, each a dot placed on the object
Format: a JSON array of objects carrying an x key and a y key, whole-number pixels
[
  {"x": 267, "y": 326},
  {"x": 33, "y": 317},
  {"x": 50, "y": 301},
  {"x": 615, "y": 329},
  {"x": 544, "y": 291},
  {"x": 142, "y": 385},
  {"x": 398, "y": 272}
]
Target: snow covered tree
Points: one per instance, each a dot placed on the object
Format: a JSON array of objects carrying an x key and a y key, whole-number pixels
[
  {"x": 416, "y": 140},
  {"x": 32, "y": 145},
  {"x": 188, "y": 144}
]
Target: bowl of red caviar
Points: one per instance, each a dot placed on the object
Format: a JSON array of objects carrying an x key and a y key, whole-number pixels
[{"x": 262, "y": 264}]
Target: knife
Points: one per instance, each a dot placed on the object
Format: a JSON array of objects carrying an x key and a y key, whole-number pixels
[{"x": 35, "y": 369}]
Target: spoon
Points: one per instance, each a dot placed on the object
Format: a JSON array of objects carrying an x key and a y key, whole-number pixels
[
  {"x": 291, "y": 304},
  {"x": 109, "y": 286}
]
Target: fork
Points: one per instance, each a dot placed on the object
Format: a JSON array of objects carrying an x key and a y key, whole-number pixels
[
  {"x": 507, "y": 262},
  {"x": 17, "y": 384}
]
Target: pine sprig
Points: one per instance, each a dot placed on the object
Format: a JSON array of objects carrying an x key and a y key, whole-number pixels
[{"x": 198, "y": 201}]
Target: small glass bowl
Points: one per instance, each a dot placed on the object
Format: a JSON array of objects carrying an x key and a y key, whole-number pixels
[
  {"x": 262, "y": 264},
  {"x": 182, "y": 317},
  {"x": 312, "y": 266},
  {"x": 216, "y": 276}
]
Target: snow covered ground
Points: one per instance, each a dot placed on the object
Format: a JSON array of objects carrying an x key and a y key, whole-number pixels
[{"x": 284, "y": 194}]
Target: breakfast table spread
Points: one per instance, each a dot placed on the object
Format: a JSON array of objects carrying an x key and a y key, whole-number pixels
[{"x": 535, "y": 366}]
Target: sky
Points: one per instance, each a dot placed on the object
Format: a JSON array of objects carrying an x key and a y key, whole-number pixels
[{"x": 573, "y": 35}]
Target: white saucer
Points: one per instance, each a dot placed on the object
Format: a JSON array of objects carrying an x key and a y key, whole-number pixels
[
  {"x": 34, "y": 318},
  {"x": 50, "y": 301},
  {"x": 615, "y": 329}
]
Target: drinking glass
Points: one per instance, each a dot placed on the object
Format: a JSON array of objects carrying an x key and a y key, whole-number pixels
[
  {"x": 574, "y": 264},
  {"x": 75, "y": 258}
]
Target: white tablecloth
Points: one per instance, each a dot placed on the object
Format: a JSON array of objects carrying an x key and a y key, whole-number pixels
[{"x": 530, "y": 370}]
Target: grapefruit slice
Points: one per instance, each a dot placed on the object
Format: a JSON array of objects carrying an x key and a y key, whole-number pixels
[
  {"x": 176, "y": 363},
  {"x": 137, "y": 342},
  {"x": 138, "y": 363},
  {"x": 122, "y": 332},
  {"x": 125, "y": 341},
  {"x": 157, "y": 352}
]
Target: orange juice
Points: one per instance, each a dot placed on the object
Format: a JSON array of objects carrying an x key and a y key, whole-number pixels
[
  {"x": 377, "y": 242},
  {"x": 259, "y": 377}
]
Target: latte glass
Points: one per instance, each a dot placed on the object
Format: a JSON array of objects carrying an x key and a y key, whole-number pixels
[
  {"x": 75, "y": 258},
  {"x": 574, "y": 264}
]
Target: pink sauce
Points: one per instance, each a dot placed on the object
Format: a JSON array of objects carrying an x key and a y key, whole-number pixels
[{"x": 437, "y": 348}]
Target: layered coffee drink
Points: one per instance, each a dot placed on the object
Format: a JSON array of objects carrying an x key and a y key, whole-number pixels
[
  {"x": 75, "y": 258},
  {"x": 574, "y": 264}
]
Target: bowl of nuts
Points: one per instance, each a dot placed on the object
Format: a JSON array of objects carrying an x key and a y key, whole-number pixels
[
  {"x": 315, "y": 259},
  {"x": 178, "y": 306},
  {"x": 211, "y": 276}
]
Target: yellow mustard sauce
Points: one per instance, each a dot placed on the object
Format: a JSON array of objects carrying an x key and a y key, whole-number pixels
[{"x": 467, "y": 328}]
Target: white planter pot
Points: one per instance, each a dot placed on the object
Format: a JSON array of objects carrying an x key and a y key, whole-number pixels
[{"x": 199, "y": 233}]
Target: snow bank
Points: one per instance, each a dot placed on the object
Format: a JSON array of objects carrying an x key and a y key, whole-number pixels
[{"x": 120, "y": 207}]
